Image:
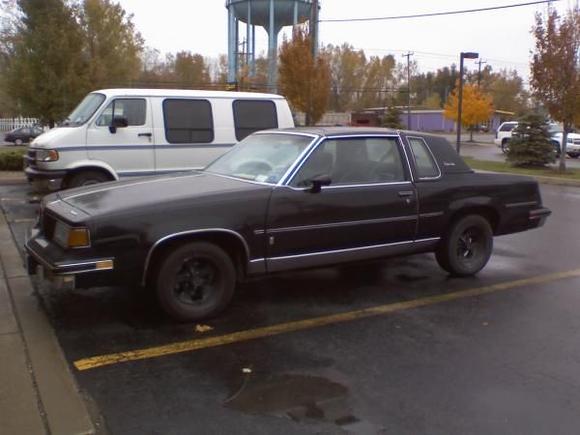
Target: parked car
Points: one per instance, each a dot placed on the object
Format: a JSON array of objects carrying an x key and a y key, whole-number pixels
[
  {"x": 123, "y": 133},
  {"x": 572, "y": 142},
  {"x": 503, "y": 134},
  {"x": 23, "y": 135},
  {"x": 281, "y": 200}
]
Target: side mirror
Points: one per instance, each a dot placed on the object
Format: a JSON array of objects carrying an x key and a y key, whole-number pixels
[
  {"x": 118, "y": 122},
  {"x": 318, "y": 182}
]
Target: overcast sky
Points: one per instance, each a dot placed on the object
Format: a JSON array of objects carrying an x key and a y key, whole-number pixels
[{"x": 502, "y": 37}]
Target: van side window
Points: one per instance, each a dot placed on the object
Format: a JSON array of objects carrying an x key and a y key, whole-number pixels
[
  {"x": 254, "y": 115},
  {"x": 188, "y": 121},
  {"x": 424, "y": 161},
  {"x": 134, "y": 109}
]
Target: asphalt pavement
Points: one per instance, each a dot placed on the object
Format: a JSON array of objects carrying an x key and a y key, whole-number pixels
[{"x": 395, "y": 346}]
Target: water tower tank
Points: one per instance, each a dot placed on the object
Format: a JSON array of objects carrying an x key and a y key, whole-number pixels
[{"x": 272, "y": 15}]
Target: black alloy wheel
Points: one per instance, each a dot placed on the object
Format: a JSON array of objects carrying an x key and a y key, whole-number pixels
[
  {"x": 466, "y": 249},
  {"x": 195, "y": 281}
]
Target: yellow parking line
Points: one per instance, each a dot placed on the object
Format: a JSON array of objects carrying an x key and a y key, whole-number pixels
[{"x": 283, "y": 328}]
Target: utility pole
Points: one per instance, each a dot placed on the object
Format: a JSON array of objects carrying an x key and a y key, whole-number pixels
[
  {"x": 479, "y": 63},
  {"x": 314, "y": 28},
  {"x": 408, "y": 56}
]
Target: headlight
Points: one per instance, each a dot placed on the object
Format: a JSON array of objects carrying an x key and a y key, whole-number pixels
[
  {"x": 71, "y": 237},
  {"x": 46, "y": 155}
]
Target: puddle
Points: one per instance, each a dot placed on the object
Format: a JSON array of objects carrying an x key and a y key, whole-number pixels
[{"x": 304, "y": 399}]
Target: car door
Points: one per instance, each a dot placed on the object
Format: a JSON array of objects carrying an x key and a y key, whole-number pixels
[
  {"x": 368, "y": 209},
  {"x": 128, "y": 150}
]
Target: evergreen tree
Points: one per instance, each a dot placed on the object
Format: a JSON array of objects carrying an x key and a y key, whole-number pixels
[
  {"x": 392, "y": 118},
  {"x": 530, "y": 143}
]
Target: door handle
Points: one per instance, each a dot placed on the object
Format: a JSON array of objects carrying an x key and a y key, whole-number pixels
[
  {"x": 406, "y": 193},
  {"x": 145, "y": 135}
]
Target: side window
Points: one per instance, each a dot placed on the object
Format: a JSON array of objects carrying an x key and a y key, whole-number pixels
[
  {"x": 134, "y": 109},
  {"x": 254, "y": 115},
  {"x": 507, "y": 127},
  {"x": 424, "y": 161},
  {"x": 188, "y": 121},
  {"x": 354, "y": 161}
]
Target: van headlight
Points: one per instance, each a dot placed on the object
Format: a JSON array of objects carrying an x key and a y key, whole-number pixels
[
  {"x": 71, "y": 237},
  {"x": 46, "y": 155}
]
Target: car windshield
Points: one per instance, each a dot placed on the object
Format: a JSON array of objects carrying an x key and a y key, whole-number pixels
[
  {"x": 84, "y": 110},
  {"x": 264, "y": 158}
]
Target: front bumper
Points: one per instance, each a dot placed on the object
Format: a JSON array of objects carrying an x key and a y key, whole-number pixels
[
  {"x": 44, "y": 180},
  {"x": 63, "y": 272}
]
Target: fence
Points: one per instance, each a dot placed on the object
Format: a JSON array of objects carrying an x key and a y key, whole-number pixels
[{"x": 7, "y": 124}]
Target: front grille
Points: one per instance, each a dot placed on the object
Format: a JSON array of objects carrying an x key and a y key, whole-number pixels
[
  {"x": 47, "y": 225},
  {"x": 31, "y": 158}
]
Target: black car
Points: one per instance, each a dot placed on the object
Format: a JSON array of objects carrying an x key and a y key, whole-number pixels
[
  {"x": 281, "y": 200},
  {"x": 21, "y": 135}
]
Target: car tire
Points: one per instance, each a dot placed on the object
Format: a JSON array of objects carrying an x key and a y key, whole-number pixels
[
  {"x": 18, "y": 142},
  {"x": 556, "y": 146},
  {"x": 195, "y": 281},
  {"x": 467, "y": 247},
  {"x": 86, "y": 178},
  {"x": 505, "y": 146}
]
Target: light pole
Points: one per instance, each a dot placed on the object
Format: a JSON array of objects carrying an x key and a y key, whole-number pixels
[{"x": 466, "y": 55}]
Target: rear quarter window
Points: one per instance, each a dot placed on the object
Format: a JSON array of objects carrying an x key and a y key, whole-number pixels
[
  {"x": 424, "y": 160},
  {"x": 254, "y": 115}
]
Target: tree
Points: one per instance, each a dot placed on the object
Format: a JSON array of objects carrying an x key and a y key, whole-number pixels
[
  {"x": 392, "y": 118},
  {"x": 303, "y": 79},
  {"x": 555, "y": 69},
  {"x": 190, "y": 70},
  {"x": 112, "y": 44},
  {"x": 379, "y": 79},
  {"x": 46, "y": 72},
  {"x": 530, "y": 143},
  {"x": 347, "y": 72},
  {"x": 476, "y": 108}
]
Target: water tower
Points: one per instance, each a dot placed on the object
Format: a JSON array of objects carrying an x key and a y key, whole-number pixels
[{"x": 272, "y": 15}]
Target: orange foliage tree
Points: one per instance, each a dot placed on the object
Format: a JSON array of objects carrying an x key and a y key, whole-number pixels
[
  {"x": 477, "y": 107},
  {"x": 304, "y": 80}
]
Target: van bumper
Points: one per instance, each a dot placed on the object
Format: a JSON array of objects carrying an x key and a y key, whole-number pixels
[{"x": 44, "y": 180}]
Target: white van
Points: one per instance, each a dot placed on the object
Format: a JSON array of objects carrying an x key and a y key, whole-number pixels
[{"x": 120, "y": 133}]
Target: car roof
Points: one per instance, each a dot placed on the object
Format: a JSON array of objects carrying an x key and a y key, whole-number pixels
[{"x": 353, "y": 131}]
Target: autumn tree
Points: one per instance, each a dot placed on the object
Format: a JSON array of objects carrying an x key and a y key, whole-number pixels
[
  {"x": 303, "y": 79},
  {"x": 190, "y": 70},
  {"x": 379, "y": 79},
  {"x": 555, "y": 68},
  {"x": 112, "y": 44},
  {"x": 347, "y": 72},
  {"x": 477, "y": 107},
  {"x": 46, "y": 73}
]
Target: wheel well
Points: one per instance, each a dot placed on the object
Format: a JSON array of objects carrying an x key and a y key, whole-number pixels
[
  {"x": 505, "y": 140},
  {"x": 76, "y": 171},
  {"x": 488, "y": 213},
  {"x": 231, "y": 245}
]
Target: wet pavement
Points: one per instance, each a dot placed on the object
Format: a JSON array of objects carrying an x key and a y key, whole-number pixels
[{"x": 500, "y": 361}]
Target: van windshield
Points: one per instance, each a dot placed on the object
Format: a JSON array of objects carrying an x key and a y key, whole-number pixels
[
  {"x": 84, "y": 110},
  {"x": 264, "y": 158}
]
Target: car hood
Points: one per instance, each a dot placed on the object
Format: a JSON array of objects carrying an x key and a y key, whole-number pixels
[
  {"x": 154, "y": 193},
  {"x": 57, "y": 136}
]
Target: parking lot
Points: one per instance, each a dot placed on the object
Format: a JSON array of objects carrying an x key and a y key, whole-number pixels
[{"x": 390, "y": 347}]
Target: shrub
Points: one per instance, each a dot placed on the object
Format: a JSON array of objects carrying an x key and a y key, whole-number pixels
[
  {"x": 392, "y": 118},
  {"x": 530, "y": 144},
  {"x": 11, "y": 160}
]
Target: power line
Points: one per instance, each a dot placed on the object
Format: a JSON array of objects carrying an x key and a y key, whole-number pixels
[{"x": 437, "y": 14}]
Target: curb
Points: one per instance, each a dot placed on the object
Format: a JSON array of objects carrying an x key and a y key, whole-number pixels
[
  {"x": 12, "y": 177},
  {"x": 38, "y": 393},
  {"x": 540, "y": 179}
]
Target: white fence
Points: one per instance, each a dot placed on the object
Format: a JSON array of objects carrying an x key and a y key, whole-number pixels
[{"x": 7, "y": 124}]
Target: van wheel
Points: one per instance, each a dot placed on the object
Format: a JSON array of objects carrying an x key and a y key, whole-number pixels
[
  {"x": 195, "y": 281},
  {"x": 86, "y": 178},
  {"x": 505, "y": 146},
  {"x": 466, "y": 248}
]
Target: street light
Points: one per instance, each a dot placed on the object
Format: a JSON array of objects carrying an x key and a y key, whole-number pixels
[{"x": 466, "y": 55}]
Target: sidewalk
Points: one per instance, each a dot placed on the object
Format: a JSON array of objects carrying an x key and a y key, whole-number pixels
[
  {"x": 12, "y": 177},
  {"x": 38, "y": 394}
]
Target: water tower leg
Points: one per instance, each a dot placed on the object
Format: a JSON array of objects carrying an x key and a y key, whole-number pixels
[
  {"x": 272, "y": 50},
  {"x": 295, "y": 22},
  {"x": 232, "y": 45},
  {"x": 253, "y": 54}
]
